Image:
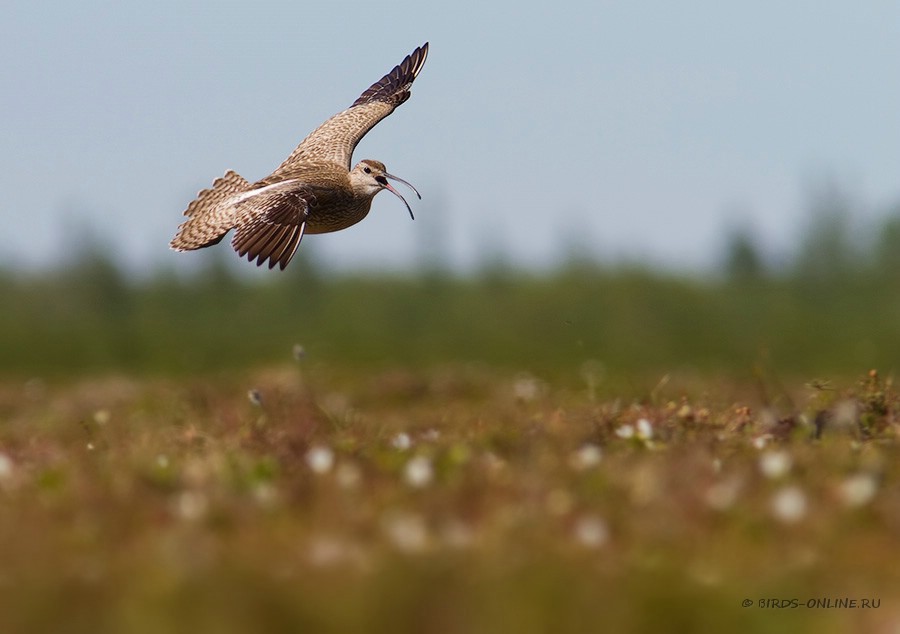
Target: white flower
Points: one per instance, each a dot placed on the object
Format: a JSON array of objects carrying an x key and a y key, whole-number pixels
[
  {"x": 401, "y": 441},
  {"x": 6, "y": 467},
  {"x": 789, "y": 504},
  {"x": 644, "y": 429},
  {"x": 431, "y": 435},
  {"x": 526, "y": 388},
  {"x": 406, "y": 531},
  {"x": 191, "y": 505},
  {"x": 845, "y": 417},
  {"x": 418, "y": 472},
  {"x": 858, "y": 489},
  {"x": 760, "y": 442},
  {"x": 591, "y": 531},
  {"x": 585, "y": 457},
  {"x": 625, "y": 431},
  {"x": 320, "y": 459},
  {"x": 775, "y": 464}
]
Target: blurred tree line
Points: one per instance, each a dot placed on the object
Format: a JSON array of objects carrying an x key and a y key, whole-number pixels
[
  {"x": 830, "y": 250},
  {"x": 833, "y": 306}
]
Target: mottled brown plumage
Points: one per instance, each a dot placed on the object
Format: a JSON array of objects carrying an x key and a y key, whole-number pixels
[{"x": 312, "y": 191}]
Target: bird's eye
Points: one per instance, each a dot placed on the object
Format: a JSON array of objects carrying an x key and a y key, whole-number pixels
[{"x": 367, "y": 170}]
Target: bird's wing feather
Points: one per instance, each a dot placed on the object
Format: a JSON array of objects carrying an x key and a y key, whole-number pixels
[
  {"x": 271, "y": 223},
  {"x": 336, "y": 139},
  {"x": 209, "y": 216}
]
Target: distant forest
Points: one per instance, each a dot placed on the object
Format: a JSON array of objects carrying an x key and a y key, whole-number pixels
[{"x": 832, "y": 306}]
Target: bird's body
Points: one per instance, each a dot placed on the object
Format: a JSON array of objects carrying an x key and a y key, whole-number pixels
[{"x": 312, "y": 191}]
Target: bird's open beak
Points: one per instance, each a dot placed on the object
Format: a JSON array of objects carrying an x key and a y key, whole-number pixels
[{"x": 391, "y": 189}]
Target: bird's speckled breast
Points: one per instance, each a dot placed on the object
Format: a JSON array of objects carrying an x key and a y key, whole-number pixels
[{"x": 335, "y": 210}]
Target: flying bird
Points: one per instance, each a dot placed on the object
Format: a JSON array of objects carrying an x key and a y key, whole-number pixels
[{"x": 312, "y": 191}]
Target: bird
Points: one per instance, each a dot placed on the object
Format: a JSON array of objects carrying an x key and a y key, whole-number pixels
[{"x": 312, "y": 191}]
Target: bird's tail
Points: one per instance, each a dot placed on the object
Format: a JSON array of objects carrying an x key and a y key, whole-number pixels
[{"x": 210, "y": 216}]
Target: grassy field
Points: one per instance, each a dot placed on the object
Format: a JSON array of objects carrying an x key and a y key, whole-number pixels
[
  {"x": 582, "y": 450},
  {"x": 453, "y": 498}
]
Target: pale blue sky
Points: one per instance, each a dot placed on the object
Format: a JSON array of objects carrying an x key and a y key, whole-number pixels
[{"x": 642, "y": 130}]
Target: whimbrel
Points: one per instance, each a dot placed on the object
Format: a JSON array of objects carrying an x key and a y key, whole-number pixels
[{"x": 312, "y": 191}]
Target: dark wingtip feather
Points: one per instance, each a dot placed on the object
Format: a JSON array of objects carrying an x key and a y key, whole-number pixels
[{"x": 394, "y": 87}]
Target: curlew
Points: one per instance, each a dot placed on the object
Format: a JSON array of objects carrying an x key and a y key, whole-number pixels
[{"x": 312, "y": 191}]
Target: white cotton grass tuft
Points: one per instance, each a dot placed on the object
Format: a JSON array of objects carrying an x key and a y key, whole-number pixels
[
  {"x": 6, "y": 467},
  {"x": 844, "y": 417},
  {"x": 527, "y": 388},
  {"x": 858, "y": 489},
  {"x": 644, "y": 429},
  {"x": 585, "y": 457},
  {"x": 775, "y": 464},
  {"x": 789, "y": 504},
  {"x": 191, "y": 505},
  {"x": 641, "y": 431},
  {"x": 401, "y": 441},
  {"x": 762, "y": 441},
  {"x": 406, "y": 531},
  {"x": 591, "y": 531},
  {"x": 320, "y": 459},
  {"x": 418, "y": 472},
  {"x": 431, "y": 435}
]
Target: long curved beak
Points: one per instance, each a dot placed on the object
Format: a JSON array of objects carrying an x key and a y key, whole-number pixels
[{"x": 391, "y": 189}]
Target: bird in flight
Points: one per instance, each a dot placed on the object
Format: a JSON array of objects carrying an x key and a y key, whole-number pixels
[{"x": 312, "y": 191}]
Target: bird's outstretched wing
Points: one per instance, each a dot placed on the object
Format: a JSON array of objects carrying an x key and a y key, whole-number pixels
[
  {"x": 336, "y": 139},
  {"x": 209, "y": 218},
  {"x": 270, "y": 223}
]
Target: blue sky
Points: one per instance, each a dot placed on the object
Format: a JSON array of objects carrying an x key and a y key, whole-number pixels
[{"x": 638, "y": 130}]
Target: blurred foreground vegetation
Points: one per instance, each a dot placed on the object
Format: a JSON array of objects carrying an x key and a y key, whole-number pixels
[
  {"x": 494, "y": 452},
  {"x": 454, "y": 500}
]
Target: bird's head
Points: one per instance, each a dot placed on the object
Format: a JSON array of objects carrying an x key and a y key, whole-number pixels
[{"x": 370, "y": 177}]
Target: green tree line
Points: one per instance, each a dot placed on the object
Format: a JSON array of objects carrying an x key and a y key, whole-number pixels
[{"x": 833, "y": 307}]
